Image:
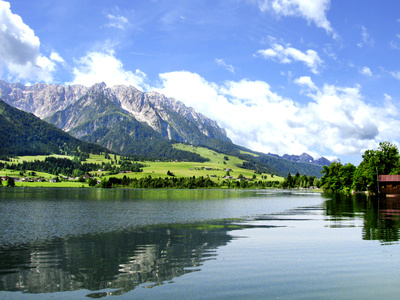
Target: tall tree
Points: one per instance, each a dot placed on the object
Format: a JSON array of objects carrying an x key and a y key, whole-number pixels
[{"x": 385, "y": 160}]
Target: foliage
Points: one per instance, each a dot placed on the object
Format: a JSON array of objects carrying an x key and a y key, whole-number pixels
[
  {"x": 298, "y": 181},
  {"x": 22, "y": 133},
  {"x": 385, "y": 160},
  {"x": 68, "y": 167},
  {"x": 337, "y": 177},
  {"x": 10, "y": 182},
  {"x": 183, "y": 183}
]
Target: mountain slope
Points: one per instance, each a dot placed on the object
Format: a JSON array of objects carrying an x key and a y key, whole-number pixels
[
  {"x": 23, "y": 133},
  {"x": 169, "y": 117},
  {"x": 128, "y": 121},
  {"x": 96, "y": 118}
]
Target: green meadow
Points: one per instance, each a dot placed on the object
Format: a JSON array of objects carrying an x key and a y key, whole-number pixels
[
  {"x": 218, "y": 163},
  {"x": 216, "y": 168}
]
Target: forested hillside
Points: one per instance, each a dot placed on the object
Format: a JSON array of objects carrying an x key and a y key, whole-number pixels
[{"x": 22, "y": 133}]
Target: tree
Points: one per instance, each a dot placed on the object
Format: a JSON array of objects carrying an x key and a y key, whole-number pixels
[
  {"x": 346, "y": 176},
  {"x": 289, "y": 181},
  {"x": 385, "y": 160},
  {"x": 92, "y": 182},
  {"x": 10, "y": 182},
  {"x": 331, "y": 179}
]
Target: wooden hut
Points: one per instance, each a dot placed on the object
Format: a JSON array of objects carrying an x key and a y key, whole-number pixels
[{"x": 389, "y": 184}]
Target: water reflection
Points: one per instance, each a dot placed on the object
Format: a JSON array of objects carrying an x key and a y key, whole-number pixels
[
  {"x": 111, "y": 242},
  {"x": 381, "y": 216},
  {"x": 118, "y": 260}
]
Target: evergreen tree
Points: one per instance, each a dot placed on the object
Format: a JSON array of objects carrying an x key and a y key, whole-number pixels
[{"x": 10, "y": 182}]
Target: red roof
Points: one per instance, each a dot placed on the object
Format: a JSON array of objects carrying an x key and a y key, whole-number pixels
[{"x": 388, "y": 178}]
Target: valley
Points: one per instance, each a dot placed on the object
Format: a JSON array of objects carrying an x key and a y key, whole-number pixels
[
  {"x": 216, "y": 168},
  {"x": 122, "y": 121}
]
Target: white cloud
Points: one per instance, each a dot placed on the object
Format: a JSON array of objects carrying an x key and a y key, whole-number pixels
[
  {"x": 289, "y": 54},
  {"x": 117, "y": 21},
  {"x": 312, "y": 10},
  {"x": 54, "y": 56},
  {"x": 20, "y": 49},
  {"x": 252, "y": 115},
  {"x": 366, "y": 71},
  {"x": 336, "y": 121},
  {"x": 223, "y": 64},
  {"x": 306, "y": 81},
  {"x": 366, "y": 38},
  {"x": 98, "y": 67},
  {"x": 396, "y": 74}
]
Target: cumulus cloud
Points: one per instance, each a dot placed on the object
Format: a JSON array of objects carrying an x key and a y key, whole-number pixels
[
  {"x": 336, "y": 120},
  {"x": 313, "y": 11},
  {"x": 366, "y": 71},
  {"x": 226, "y": 66},
  {"x": 54, "y": 56},
  {"x": 20, "y": 49},
  {"x": 250, "y": 112},
  {"x": 97, "y": 67},
  {"x": 306, "y": 81},
  {"x": 289, "y": 54}
]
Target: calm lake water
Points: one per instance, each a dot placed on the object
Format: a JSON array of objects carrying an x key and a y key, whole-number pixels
[{"x": 197, "y": 244}]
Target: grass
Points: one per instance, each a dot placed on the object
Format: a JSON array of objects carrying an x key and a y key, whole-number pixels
[
  {"x": 27, "y": 158},
  {"x": 188, "y": 169},
  {"x": 99, "y": 159},
  {"x": 64, "y": 184},
  {"x": 156, "y": 169}
]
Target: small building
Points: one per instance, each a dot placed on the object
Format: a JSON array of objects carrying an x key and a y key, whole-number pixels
[{"x": 389, "y": 184}]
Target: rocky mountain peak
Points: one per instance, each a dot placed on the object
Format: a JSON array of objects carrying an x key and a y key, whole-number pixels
[
  {"x": 304, "y": 158},
  {"x": 70, "y": 107}
]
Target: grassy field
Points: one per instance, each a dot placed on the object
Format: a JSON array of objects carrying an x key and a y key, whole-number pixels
[
  {"x": 189, "y": 169},
  {"x": 64, "y": 184},
  {"x": 216, "y": 168},
  {"x": 20, "y": 159}
]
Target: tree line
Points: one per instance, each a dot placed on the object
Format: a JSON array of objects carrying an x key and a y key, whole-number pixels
[
  {"x": 68, "y": 167},
  {"x": 299, "y": 181},
  {"x": 183, "y": 183},
  {"x": 383, "y": 161}
]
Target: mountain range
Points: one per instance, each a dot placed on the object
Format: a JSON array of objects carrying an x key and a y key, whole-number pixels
[
  {"x": 121, "y": 118},
  {"x": 127, "y": 121},
  {"x": 304, "y": 158}
]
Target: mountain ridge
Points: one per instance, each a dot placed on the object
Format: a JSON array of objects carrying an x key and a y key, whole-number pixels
[{"x": 130, "y": 122}]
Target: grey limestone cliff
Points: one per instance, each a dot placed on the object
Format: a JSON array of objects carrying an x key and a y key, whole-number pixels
[{"x": 84, "y": 110}]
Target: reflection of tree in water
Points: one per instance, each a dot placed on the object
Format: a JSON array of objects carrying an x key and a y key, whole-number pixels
[
  {"x": 381, "y": 216},
  {"x": 119, "y": 260}
]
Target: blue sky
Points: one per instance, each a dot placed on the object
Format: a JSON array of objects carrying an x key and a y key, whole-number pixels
[{"x": 281, "y": 76}]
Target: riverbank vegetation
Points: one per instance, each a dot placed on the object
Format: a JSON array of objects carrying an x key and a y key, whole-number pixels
[{"x": 345, "y": 178}]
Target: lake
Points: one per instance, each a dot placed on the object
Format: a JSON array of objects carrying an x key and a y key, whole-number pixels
[{"x": 197, "y": 244}]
